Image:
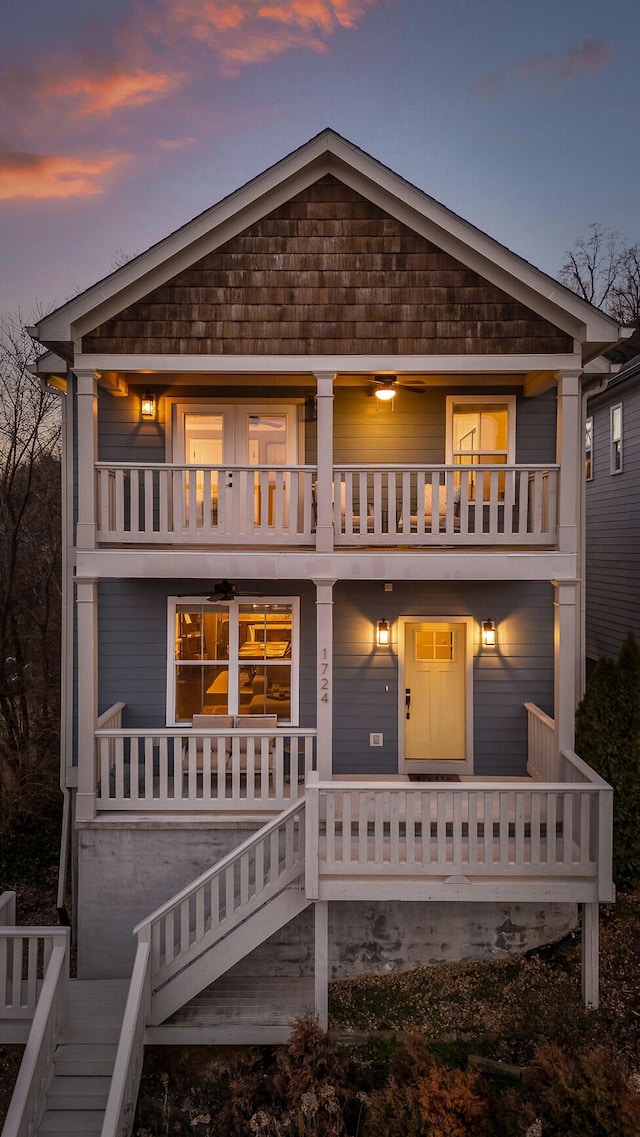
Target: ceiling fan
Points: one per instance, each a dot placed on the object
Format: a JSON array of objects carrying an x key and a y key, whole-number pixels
[
  {"x": 225, "y": 592},
  {"x": 387, "y": 387}
]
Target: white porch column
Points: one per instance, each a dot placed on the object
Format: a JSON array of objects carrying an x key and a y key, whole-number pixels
[
  {"x": 566, "y": 669},
  {"x": 321, "y": 962},
  {"x": 87, "y": 609},
  {"x": 590, "y": 954},
  {"x": 324, "y": 676},
  {"x": 87, "y": 457},
  {"x": 569, "y": 455},
  {"x": 324, "y": 487}
]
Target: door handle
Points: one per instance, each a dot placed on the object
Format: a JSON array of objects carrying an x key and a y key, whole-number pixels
[{"x": 407, "y": 702}]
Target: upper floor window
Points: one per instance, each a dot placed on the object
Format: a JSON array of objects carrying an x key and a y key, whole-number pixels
[
  {"x": 615, "y": 421},
  {"x": 481, "y": 431},
  {"x": 233, "y": 658},
  {"x": 588, "y": 448}
]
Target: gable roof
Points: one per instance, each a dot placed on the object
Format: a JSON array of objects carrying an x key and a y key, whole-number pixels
[{"x": 328, "y": 153}]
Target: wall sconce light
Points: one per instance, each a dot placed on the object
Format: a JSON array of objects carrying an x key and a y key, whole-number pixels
[
  {"x": 383, "y": 633},
  {"x": 148, "y": 406},
  {"x": 488, "y": 633}
]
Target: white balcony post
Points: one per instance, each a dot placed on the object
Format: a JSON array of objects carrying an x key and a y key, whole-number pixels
[
  {"x": 321, "y": 962},
  {"x": 87, "y": 419},
  {"x": 324, "y": 676},
  {"x": 566, "y": 669},
  {"x": 569, "y": 457},
  {"x": 324, "y": 485},
  {"x": 590, "y": 954},
  {"x": 87, "y": 609}
]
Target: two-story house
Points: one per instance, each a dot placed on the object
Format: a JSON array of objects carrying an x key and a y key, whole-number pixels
[{"x": 324, "y": 455}]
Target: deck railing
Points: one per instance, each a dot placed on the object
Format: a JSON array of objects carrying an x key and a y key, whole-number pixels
[
  {"x": 7, "y": 909},
  {"x": 404, "y": 505},
  {"x": 542, "y": 755},
  {"x": 481, "y": 830},
  {"x": 169, "y": 504},
  {"x": 457, "y": 505},
  {"x": 24, "y": 958},
  {"x": 28, "y": 1100},
  {"x": 173, "y": 768},
  {"x": 125, "y": 1080}
]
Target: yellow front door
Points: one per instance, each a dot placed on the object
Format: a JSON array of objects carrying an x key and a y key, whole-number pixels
[{"x": 434, "y": 691}]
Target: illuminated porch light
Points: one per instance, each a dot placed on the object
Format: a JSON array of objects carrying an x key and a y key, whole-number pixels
[
  {"x": 148, "y": 406},
  {"x": 383, "y": 633},
  {"x": 387, "y": 389},
  {"x": 488, "y": 633}
]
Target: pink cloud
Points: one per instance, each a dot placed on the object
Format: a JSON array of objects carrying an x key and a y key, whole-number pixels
[
  {"x": 37, "y": 176},
  {"x": 95, "y": 93},
  {"x": 551, "y": 70},
  {"x": 324, "y": 14}
]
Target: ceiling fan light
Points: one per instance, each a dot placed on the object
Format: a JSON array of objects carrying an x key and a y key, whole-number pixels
[{"x": 386, "y": 393}]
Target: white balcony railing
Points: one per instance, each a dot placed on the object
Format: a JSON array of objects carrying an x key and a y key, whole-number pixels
[
  {"x": 169, "y": 504},
  {"x": 173, "y": 768},
  {"x": 371, "y": 505}
]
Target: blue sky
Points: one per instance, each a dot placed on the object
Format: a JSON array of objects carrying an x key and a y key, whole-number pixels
[{"x": 120, "y": 121}]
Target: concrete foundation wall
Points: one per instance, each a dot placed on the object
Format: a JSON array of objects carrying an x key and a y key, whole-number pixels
[{"x": 125, "y": 873}]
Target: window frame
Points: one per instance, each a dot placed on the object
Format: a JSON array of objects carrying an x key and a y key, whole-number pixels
[
  {"x": 615, "y": 441},
  {"x": 454, "y": 401},
  {"x": 235, "y": 410},
  {"x": 588, "y": 448},
  {"x": 172, "y": 663}
]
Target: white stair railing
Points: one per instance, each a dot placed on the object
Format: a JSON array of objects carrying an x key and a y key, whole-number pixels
[
  {"x": 127, "y": 1070},
  {"x": 7, "y": 909},
  {"x": 25, "y": 954},
  {"x": 224, "y": 896},
  {"x": 28, "y": 1100}
]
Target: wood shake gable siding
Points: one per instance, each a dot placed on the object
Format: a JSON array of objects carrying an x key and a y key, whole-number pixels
[{"x": 327, "y": 273}]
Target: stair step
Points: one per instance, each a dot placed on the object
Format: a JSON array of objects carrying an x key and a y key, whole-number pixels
[
  {"x": 97, "y": 1058},
  {"x": 71, "y": 1091},
  {"x": 76, "y": 1122}
]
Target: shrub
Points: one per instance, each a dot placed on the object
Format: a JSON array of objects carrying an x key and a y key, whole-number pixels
[
  {"x": 394, "y": 1111},
  {"x": 584, "y": 1095}
]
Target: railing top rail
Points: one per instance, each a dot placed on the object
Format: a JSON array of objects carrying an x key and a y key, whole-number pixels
[
  {"x": 110, "y": 713},
  {"x": 506, "y": 786},
  {"x": 435, "y": 467},
  {"x": 199, "y": 466},
  {"x": 586, "y": 770},
  {"x": 205, "y": 732},
  {"x": 220, "y": 866},
  {"x": 32, "y": 932},
  {"x": 542, "y": 716}
]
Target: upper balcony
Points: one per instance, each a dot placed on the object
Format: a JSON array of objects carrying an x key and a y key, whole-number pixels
[{"x": 393, "y": 506}]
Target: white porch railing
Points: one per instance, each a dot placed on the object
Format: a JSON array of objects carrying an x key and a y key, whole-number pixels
[
  {"x": 456, "y": 505},
  {"x": 7, "y": 909},
  {"x": 28, "y": 1100},
  {"x": 172, "y": 768},
  {"x": 481, "y": 830},
  {"x": 237, "y": 505},
  {"x": 225, "y": 895},
  {"x": 542, "y": 755},
  {"x": 24, "y": 958}
]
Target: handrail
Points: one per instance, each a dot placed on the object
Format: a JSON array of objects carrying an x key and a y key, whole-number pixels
[
  {"x": 28, "y": 1100},
  {"x": 191, "y": 467},
  {"x": 114, "y": 712},
  {"x": 125, "y": 1080},
  {"x": 585, "y": 769},
  {"x": 23, "y": 949}
]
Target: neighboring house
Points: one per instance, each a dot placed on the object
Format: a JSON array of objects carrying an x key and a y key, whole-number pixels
[
  {"x": 612, "y": 474},
  {"x": 321, "y": 646}
]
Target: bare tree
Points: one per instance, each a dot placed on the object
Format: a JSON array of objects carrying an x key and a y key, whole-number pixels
[
  {"x": 606, "y": 272},
  {"x": 30, "y": 537}
]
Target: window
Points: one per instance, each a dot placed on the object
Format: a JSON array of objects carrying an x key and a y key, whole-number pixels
[
  {"x": 481, "y": 432},
  {"x": 615, "y": 420},
  {"x": 588, "y": 448},
  {"x": 237, "y": 658}
]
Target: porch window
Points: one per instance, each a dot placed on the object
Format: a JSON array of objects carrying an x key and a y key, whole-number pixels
[
  {"x": 480, "y": 432},
  {"x": 229, "y": 659},
  {"x": 615, "y": 419}
]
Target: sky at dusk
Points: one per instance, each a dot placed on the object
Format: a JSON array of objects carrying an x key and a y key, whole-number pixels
[{"x": 121, "y": 120}]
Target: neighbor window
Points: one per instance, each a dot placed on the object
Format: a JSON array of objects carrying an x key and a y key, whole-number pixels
[
  {"x": 588, "y": 448},
  {"x": 616, "y": 438},
  {"x": 236, "y": 658}
]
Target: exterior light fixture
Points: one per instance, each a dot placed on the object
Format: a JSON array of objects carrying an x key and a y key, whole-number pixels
[
  {"x": 383, "y": 633},
  {"x": 148, "y": 406},
  {"x": 386, "y": 389},
  {"x": 488, "y": 633}
]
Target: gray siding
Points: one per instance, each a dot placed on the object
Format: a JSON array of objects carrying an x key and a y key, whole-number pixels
[{"x": 613, "y": 528}]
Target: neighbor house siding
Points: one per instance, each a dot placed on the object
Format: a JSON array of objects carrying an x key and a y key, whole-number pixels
[{"x": 613, "y": 527}]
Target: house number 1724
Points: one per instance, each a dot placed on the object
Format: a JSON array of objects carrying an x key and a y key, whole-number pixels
[{"x": 324, "y": 677}]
